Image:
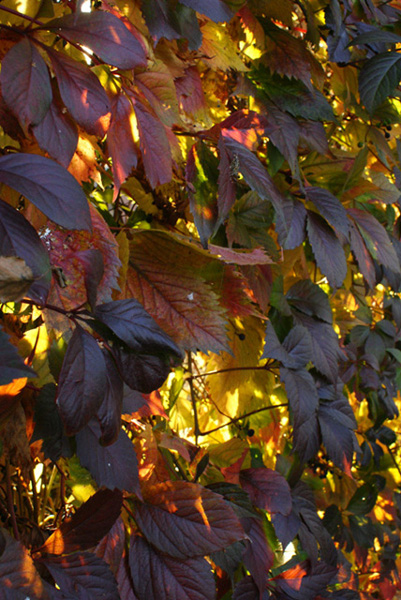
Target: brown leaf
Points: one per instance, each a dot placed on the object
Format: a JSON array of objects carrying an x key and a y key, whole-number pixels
[{"x": 15, "y": 278}]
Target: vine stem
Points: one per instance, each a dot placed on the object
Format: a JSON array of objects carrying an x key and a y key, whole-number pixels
[
  {"x": 253, "y": 412},
  {"x": 10, "y": 500}
]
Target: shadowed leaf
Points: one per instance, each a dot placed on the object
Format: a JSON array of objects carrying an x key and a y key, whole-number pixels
[{"x": 267, "y": 489}]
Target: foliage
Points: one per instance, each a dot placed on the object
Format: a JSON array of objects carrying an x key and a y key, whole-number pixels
[{"x": 200, "y": 349}]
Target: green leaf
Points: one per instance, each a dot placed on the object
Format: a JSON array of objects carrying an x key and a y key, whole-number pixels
[{"x": 378, "y": 79}]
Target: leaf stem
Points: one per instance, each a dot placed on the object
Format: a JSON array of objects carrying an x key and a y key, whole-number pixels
[
  {"x": 227, "y": 370},
  {"x": 10, "y": 500},
  {"x": 253, "y": 412}
]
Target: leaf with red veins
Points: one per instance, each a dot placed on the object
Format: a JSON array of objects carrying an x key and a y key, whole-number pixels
[{"x": 65, "y": 247}]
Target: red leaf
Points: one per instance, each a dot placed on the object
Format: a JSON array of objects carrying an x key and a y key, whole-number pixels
[
  {"x": 105, "y": 34},
  {"x": 92, "y": 262},
  {"x": 154, "y": 145},
  {"x": 18, "y": 576},
  {"x": 258, "y": 556},
  {"x": 114, "y": 466},
  {"x": 57, "y": 134},
  {"x": 19, "y": 238},
  {"x": 166, "y": 278},
  {"x": 83, "y": 576},
  {"x": 267, "y": 489},
  {"x": 89, "y": 524},
  {"x": 82, "y": 381},
  {"x": 226, "y": 182},
  {"x": 120, "y": 143},
  {"x": 111, "y": 546},
  {"x": 160, "y": 577},
  {"x": 302, "y": 583},
  {"x": 82, "y": 93},
  {"x": 49, "y": 186},
  {"x": 25, "y": 83},
  {"x": 185, "y": 519},
  {"x": 190, "y": 93},
  {"x": 12, "y": 365}
]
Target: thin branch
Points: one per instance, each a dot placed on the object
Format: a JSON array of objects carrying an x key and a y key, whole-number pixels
[
  {"x": 193, "y": 398},
  {"x": 253, "y": 412},
  {"x": 218, "y": 371},
  {"x": 10, "y": 500}
]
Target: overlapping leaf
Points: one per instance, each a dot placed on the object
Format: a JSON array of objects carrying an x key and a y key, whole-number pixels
[
  {"x": 25, "y": 83},
  {"x": 57, "y": 134},
  {"x": 186, "y": 520},
  {"x": 120, "y": 143},
  {"x": 157, "y": 576},
  {"x": 329, "y": 254},
  {"x": 47, "y": 185},
  {"x": 258, "y": 557},
  {"x": 105, "y": 34},
  {"x": 267, "y": 489}
]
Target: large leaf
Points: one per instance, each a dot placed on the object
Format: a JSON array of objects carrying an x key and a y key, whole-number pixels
[
  {"x": 308, "y": 298},
  {"x": 105, "y": 34},
  {"x": 154, "y": 145},
  {"x": 379, "y": 78},
  {"x": 267, "y": 489},
  {"x": 109, "y": 413},
  {"x": 186, "y": 520},
  {"x": 168, "y": 278},
  {"x": 88, "y": 525},
  {"x": 296, "y": 350},
  {"x": 19, "y": 238},
  {"x": 82, "y": 381},
  {"x": 47, "y": 185},
  {"x": 82, "y": 93},
  {"x": 18, "y": 577},
  {"x": 57, "y": 134},
  {"x": 258, "y": 557},
  {"x": 25, "y": 83},
  {"x": 329, "y": 254},
  {"x": 216, "y": 10},
  {"x": 114, "y": 466},
  {"x": 120, "y": 142},
  {"x": 83, "y": 576},
  {"x": 142, "y": 372},
  {"x": 157, "y": 576},
  {"x": 330, "y": 207}
]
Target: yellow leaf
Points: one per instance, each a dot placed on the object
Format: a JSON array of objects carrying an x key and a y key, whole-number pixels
[{"x": 219, "y": 49}]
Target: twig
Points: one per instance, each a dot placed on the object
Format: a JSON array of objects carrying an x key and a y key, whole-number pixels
[
  {"x": 193, "y": 398},
  {"x": 253, "y": 412},
  {"x": 218, "y": 371},
  {"x": 10, "y": 500}
]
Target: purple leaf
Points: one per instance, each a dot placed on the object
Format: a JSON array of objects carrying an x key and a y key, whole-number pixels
[
  {"x": 296, "y": 232},
  {"x": 227, "y": 187},
  {"x": 186, "y": 520},
  {"x": 92, "y": 262},
  {"x": 337, "y": 435},
  {"x": 120, "y": 143},
  {"x": 49, "y": 186},
  {"x": 57, "y": 134},
  {"x": 247, "y": 589},
  {"x": 286, "y": 527},
  {"x": 19, "y": 238},
  {"x": 362, "y": 255},
  {"x": 283, "y": 130},
  {"x": 296, "y": 350},
  {"x": 258, "y": 557},
  {"x": 12, "y": 365},
  {"x": 307, "y": 439},
  {"x": 159, "y": 17},
  {"x": 82, "y": 381},
  {"x": 299, "y": 584},
  {"x": 154, "y": 145},
  {"x": 216, "y": 10},
  {"x": 87, "y": 526},
  {"x": 48, "y": 425},
  {"x": 329, "y": 254},
  {"x": 308, "y": 298},
  {"x": 142, "y": 372},
  {"x": 313, "y": 133},
  {"x": 82, "y": 93},
  {"x": 267, "y": 489},
  {"x": 25, "y": 83},
  {"x": 301, "y": 392},
  {"x": 132, "y": 324},
  {"x": 105, "y": 34},
  {"x": 109, "y": 413},
  {"x": 330, "y": 207},
  {"x": 19, "y": 578},
  {"x": 83, "y": 576},
  {"x": 114, "y": 466},
  {"x": 161, "y": 577}
]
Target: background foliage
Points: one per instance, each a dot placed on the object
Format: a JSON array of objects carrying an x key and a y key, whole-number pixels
[{"x": 200, "y": 245}]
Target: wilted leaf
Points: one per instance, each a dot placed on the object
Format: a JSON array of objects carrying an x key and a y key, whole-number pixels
[
  {"x": 156, "y": 575},
  {"x": 49, "y": 186},
  {"x": 19, "y": 239},
  {"x": 15, "y": 278},
  {"x": 25, "y": 83},
  {"x": 82, "y": 93},
  {"x": 185, "y": 519},
  {"x": 113, "y": 466},
  {"x": 105, "y": 34},
  {"x": 82, "y": 381}
]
